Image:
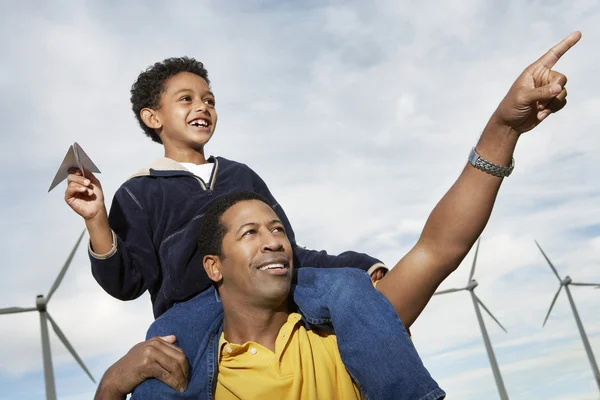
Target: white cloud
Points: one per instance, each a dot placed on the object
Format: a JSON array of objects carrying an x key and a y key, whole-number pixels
[{"x": 359, "y": 118}]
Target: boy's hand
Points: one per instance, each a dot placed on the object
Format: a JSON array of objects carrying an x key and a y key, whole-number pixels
[
  {"x": 537, "y": 92},
  {"x": 84, "y": 195},
  {"x": 155, "y": 358},
  {"x": 378, "y": 274}
]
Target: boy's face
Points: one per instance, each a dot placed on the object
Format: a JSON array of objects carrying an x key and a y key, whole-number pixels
[
  {"x": 256, "y": 267},
  {"x": 186, "y": 117}
]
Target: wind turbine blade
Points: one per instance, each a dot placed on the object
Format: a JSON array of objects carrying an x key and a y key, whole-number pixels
[
  {"x": 585, "y": 284},
  {"x": 16, "y": 310},
  {"x": 474, "y": 261},
  {"x": 488, "y": 311},
  {"x": 549, "y": 262},
  {"x": 63, "y": 271},
  {"x": 64, "y": 340},
  {"x": 552, "y": 305},
  {"x": 447, "y": 291}
]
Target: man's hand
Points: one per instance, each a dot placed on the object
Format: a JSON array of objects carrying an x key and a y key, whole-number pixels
[
  {"x": 537, "y": 92},
  {"x": 84, "y": 194},
  {"x": 155, "y": 358}
]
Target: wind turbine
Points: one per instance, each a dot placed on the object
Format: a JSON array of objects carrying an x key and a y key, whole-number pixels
[
  {"x": 41, "y": 303},
  {"x": 565, "y": 283},
  {"x": 471, "y": 285}
]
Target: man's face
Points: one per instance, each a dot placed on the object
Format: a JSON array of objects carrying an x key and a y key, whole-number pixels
[
  {"x": 187, "y": 112},
  {"x": 256, "y": 266}
]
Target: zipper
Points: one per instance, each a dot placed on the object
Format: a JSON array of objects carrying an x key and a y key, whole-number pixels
[{"x": 213, "y": 178}]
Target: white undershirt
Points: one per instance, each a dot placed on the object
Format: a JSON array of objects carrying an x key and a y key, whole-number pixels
[{"x": 202, "y": 171}]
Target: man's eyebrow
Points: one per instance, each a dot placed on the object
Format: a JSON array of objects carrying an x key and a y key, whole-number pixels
[
  {"x": 272, "y": 222},
  {"x": 245, "y": 225}
]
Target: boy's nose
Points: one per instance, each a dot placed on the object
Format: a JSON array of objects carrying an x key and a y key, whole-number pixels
[{"x": 201, "y": 106}]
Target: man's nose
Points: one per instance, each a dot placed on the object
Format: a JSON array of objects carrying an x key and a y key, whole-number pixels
[{"x": 272, "y": 243}]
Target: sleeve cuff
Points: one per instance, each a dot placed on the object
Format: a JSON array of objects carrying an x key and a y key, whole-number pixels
[
  {"x": 112, "y": 251},
  {"x": 375, "y": 267}
]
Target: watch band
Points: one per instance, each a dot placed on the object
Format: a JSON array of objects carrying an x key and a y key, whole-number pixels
[{"x": 489, "y": 168}]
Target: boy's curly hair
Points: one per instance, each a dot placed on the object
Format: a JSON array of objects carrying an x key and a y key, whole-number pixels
[{"x": 146, "y": 90}]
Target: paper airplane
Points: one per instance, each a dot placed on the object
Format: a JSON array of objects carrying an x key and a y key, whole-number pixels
[{"x": 75, "y": 158}]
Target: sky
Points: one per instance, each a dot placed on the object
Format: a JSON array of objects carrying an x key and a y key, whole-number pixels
[{"x": 359, "y": 116}]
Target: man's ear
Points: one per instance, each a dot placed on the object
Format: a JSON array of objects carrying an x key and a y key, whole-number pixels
[
  {"x": 150, "y": 118},
  {"x": 211, "y": 266}
]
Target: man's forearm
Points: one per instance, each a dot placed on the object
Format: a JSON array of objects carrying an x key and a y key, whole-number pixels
[
  {"x": 107, "y": 389},
  {"x": 451, "y": 229},
  {"x": 461, "y": 215}
]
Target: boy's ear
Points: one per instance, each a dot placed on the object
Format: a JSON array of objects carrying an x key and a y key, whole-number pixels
[
  {"x": 211, "y": 266},
  {"x": 150, "y": 118}
]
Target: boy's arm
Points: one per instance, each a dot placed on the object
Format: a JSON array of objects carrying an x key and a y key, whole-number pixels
[
  {"x": 304, "y": 257},
  {"x": 461, "y": 215},
  {"x": 123, "y": 258},
  {"x": 131, "y": 266}
]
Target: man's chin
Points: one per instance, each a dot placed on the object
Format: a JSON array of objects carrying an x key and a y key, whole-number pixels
[{"x": 275, "y": 292}]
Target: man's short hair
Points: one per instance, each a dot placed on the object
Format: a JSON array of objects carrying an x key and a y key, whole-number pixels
[
  {"x": 146, "y": 90},
  {"x": 212, "y": 230}
]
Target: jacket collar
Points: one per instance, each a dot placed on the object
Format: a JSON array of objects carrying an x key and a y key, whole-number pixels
[{"x": 167, "y": 167}]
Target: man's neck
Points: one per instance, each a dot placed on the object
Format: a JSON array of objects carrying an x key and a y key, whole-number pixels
[
  {"x": 254, "y": 324},
  {"x": 188, "y": 155}
]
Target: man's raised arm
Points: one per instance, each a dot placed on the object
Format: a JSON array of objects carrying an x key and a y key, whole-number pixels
[{"x": 461, "y": 215}]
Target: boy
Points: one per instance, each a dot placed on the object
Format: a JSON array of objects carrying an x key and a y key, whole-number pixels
[{"x": 149, "y": 240}]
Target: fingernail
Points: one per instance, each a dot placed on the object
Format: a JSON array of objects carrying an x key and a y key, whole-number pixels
[
  {"x": 86, "y": 182},
  {"x": 555, "y": 89}
]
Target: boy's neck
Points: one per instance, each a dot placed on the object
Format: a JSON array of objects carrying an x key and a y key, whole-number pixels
[
  {"x": 251, "y": 324},
  {"x": 194, "y": 156}
]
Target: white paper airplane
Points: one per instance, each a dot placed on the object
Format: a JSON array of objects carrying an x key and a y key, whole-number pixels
[{"x": 75, "y": 158}]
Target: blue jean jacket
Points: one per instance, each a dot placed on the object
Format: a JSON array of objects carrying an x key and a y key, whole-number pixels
[{"x": 374, "y": 345}]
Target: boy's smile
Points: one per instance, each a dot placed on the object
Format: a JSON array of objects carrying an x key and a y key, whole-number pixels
[{"x": 186, "y": 118}]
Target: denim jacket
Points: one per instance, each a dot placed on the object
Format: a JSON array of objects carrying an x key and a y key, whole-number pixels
[{"x": 343, "y": 299}]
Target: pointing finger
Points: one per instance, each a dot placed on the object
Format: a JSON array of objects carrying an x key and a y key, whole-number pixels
[{"x": 555, "y": 53}]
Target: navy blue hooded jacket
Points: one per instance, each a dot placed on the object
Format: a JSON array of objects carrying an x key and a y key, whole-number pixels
[{"x": 155, "y": 217}]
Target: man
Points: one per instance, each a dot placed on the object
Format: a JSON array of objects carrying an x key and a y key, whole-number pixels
[{"x": 252, "y": 273}]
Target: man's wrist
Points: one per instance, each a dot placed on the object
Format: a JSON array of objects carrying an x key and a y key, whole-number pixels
[
  {"x": 108, "y": 388},
  {"x": 497, "y": 142}
]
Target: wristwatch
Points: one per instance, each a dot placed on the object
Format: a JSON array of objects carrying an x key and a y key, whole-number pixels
[{"x": 489, "y": 168}]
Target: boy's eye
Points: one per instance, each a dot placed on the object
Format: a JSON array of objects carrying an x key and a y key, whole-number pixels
[
  {"x": 210, "y": 102},
  {"x": 185, "y": 98}
]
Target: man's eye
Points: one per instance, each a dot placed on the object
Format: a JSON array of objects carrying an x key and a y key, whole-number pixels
[
  {"x": 249, "y": 232},
  {"x": 279, "y": 229}
]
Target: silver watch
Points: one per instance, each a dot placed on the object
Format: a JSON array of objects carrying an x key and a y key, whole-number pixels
[{"x": 489, "y": 168}]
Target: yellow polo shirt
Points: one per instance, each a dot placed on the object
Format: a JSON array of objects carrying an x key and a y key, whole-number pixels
[{"x": 306, "y": 365}]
